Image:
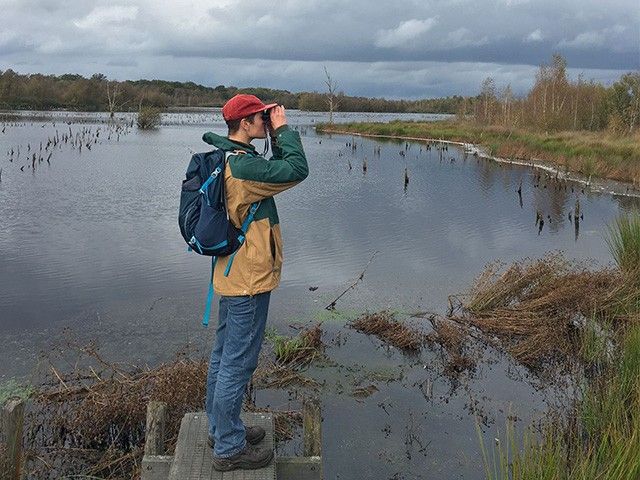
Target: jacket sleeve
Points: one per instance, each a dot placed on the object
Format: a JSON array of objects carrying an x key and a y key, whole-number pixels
[{"x": 264, "y": 178}]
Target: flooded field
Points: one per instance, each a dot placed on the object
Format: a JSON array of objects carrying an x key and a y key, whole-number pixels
[{"x": 89, "y": 247}]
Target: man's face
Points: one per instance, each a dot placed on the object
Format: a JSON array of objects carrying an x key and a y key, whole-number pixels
[{"x": 256, "y": 129}]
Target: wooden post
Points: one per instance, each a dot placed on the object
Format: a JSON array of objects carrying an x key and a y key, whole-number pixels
[
  {"x": 156, "y": 421},
  {"x": 311, "y": 424},
  {"x": 12, "y": 423},
  {"x": 155, "y": 465}
]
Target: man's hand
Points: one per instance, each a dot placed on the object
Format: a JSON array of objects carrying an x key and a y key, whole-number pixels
[{"x": 278, "y": 117}]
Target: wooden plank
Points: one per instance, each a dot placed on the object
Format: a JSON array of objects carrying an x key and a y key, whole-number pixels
[
  {"x": 156, "y": 421},
  {"x": 182, "y": 455},
  {"x": 193, "y": 459},
  {"x": 12, "y": 424},
  {"x": 299, "y": 468},
  {"x": 264, "y": 420},
  {"x": 312, "y": 427},
  {"x": 155, "y": 467}
]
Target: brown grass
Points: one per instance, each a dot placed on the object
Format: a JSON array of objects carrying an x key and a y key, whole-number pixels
[
  {"x": 273, "y": 375},
  {"x": 91, "y": 421},
  {"x": 452, "y": 338},
  {"x": 537, "y": 308},
  {"x": 383, "y": 326}
]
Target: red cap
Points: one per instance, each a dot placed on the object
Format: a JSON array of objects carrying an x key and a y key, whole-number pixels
[{"x": 242, "y": 106}]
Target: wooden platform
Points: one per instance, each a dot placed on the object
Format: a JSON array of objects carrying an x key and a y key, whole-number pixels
[{"x": 193, "y": 456}]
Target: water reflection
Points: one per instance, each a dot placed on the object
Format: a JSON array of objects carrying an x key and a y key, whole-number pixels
[
  {"x": 433, "y": 209},
  {"x": 90, "y": 242}
]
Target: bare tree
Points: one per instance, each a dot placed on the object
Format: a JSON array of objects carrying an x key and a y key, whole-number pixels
[
  {"x": 113, "y": 90},
  {"x": 112, "y": 95},
  {"x": 506, "y": 100},
  {"x": 332, "y": 99},
  {"x": 488, "y": 96}
]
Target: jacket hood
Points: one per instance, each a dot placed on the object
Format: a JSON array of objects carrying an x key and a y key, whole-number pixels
[{"x": 224, "y": 143}]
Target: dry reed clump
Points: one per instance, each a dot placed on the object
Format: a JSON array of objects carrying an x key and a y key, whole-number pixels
[
  {"x": 389, "y": 330},
  {"x": 92, "y": 421},
  {"x": 452, "y": 338},
  {"x": 537, "y": 308},
  {"x": 272, "y": 375}
]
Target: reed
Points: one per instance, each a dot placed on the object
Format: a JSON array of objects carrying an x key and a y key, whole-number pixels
[
  {"x": 623, "y": 240},
  {"x": 389, "y": 330},
  {"x": 600, "y": 437},
  {"x": 599, "y": 440},
  {"x": 539, "y": 310}
]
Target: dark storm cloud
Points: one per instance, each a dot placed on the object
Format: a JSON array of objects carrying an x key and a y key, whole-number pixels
[{"x": 401, "y": 48}]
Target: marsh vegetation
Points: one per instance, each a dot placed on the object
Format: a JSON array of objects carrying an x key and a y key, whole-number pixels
[{"x": 562, "y": 319}]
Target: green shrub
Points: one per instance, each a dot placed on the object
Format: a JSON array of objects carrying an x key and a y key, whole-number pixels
[{"x": 149, "y": 118}]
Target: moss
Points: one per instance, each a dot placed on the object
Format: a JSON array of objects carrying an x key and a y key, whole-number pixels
[{"x": 13, "y": 388}]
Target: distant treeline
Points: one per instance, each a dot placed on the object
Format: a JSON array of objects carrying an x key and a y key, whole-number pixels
[
  {"x": 556, "y": 103},
  {"x": 70, "y": 91}
]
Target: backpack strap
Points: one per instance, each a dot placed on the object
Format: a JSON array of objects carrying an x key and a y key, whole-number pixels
[
  {"x": 207, "y": 309},
  {"x": 228, "y": 153},
  {"x": 205, "y": 185},
  {"x": 217, "y": 171},
  {"x": 244, "y": 228}
]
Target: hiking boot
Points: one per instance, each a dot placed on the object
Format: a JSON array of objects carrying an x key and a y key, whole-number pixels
[
  {"x": 249, "y": 458},
  {"x": 253, "y": 435}
]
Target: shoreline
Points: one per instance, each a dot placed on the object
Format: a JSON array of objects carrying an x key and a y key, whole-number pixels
[{"x": 596, "y": 185}]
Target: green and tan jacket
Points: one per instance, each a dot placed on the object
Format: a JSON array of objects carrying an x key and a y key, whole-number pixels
[{"x": 251, "y": 178}]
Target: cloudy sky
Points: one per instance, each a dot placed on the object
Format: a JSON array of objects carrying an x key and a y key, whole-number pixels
[{"x": 395, "y": 49}]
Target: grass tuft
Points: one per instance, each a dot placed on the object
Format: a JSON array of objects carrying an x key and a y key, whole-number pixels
[
  {"x": 300, "y": 350},
  {"x": 623, "y": 239}
]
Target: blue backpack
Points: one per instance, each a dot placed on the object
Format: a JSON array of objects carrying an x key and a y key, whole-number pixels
[{"x": 203, "y": 217}]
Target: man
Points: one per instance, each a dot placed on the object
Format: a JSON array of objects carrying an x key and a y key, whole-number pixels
[{"x": 255, "y": 270}]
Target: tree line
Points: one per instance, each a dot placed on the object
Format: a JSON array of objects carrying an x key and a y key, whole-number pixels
[
  {"x": 97, "y": 93},
  {"x": 556, "y": 103}
]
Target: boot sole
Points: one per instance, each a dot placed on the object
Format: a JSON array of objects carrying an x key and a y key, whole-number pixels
[{"x": 241, "y": 465}]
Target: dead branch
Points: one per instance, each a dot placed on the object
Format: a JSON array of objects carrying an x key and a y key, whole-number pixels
[{"x": 332, "y": 305}]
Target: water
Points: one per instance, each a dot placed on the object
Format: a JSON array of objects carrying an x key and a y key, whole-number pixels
[{"x": 89, "y": 246}]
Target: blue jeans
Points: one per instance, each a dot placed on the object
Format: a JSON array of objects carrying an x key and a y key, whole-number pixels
[{"x": 234, "y": 358}]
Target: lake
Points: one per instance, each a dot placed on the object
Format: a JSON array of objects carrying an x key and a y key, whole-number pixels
[{"x": 90, "y": 248}]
